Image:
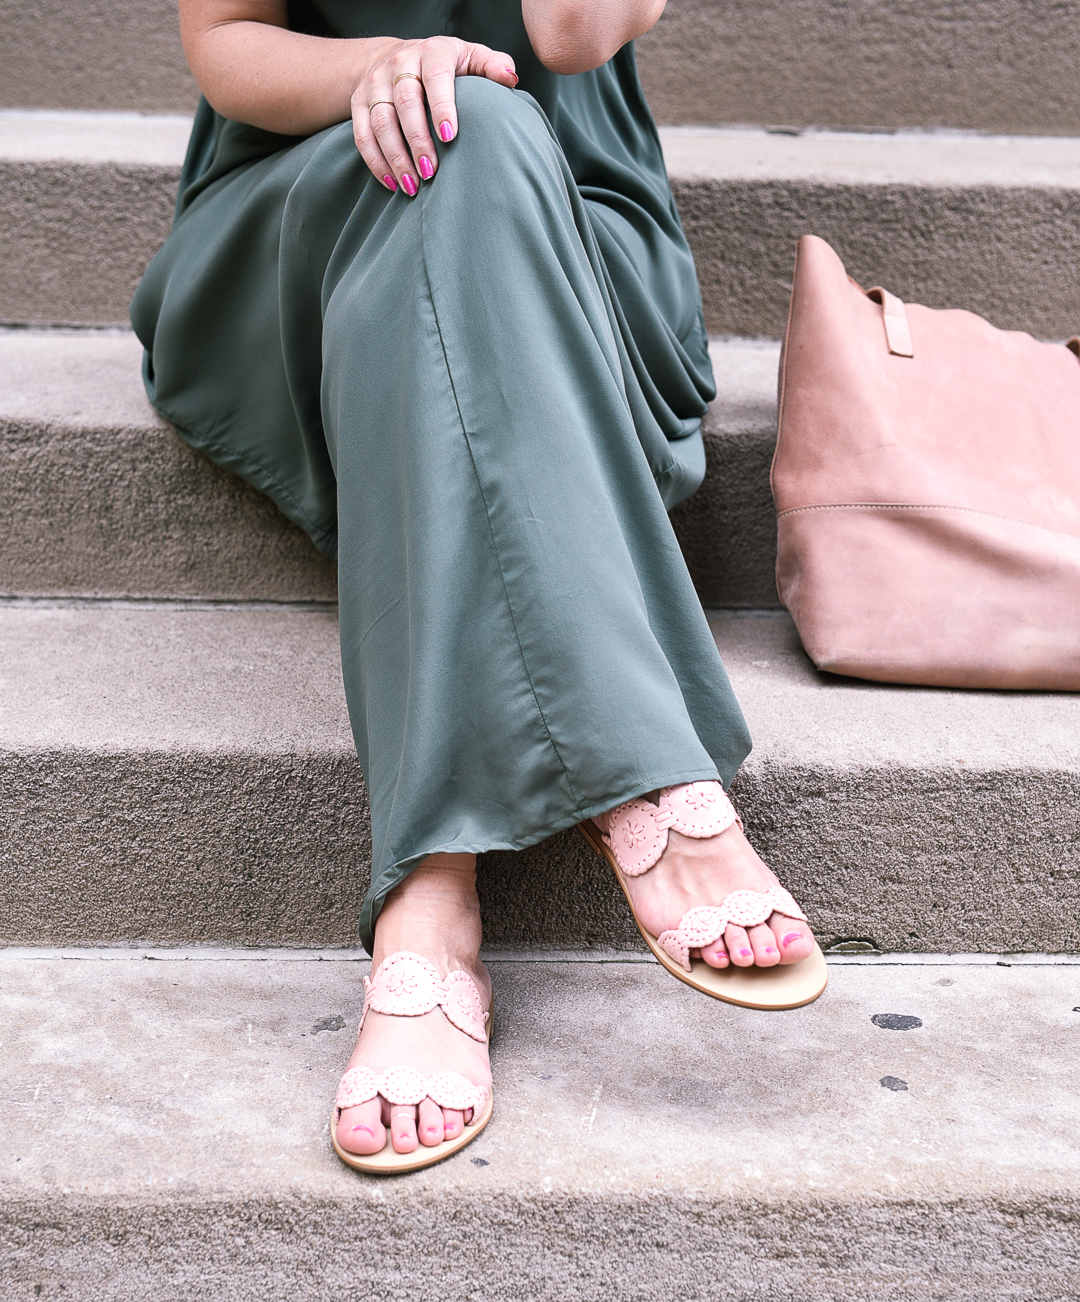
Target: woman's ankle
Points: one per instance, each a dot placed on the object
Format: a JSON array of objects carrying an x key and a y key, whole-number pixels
[{"x": 435, "y": 912}]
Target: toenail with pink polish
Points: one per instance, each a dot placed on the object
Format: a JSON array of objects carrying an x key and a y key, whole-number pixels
[
  {"x": 367, "y": 1128},
  {"x": 769, "y": 949},
  {"x": 791, "y": 936},
  {"x": 745, "y": 953}
]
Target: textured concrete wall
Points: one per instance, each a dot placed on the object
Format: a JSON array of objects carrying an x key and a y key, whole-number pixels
[
  {"x": 989, "y": 65},
  {"x": 93, "y": 54},
  {"x": 1010, "y": 254}
]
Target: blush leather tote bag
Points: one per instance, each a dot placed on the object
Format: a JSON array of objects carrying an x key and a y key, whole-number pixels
[{"x": 927, "y": 487}]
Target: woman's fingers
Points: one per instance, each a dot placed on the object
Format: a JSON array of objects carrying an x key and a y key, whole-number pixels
[
  {"x": 493, "y": 64},
  {"x": 472, "y": 60},
  {"x": 370, "y": 152},
  {"x": 391, "y": 143},
  {"x": 396, "y": 104}
]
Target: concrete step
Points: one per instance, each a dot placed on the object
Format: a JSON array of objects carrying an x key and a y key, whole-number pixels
[
  {"x": 166, "y": 1138},
  {"x": 98, "y": 496},
  {"x": 185, "y": 775},
  {"x": 987, "y": 65},
  {"x": 992, "y": 224},
  {"x": 995, "y": 65}
]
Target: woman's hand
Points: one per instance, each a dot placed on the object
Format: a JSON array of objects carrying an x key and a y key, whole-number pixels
[
  {"x": 253, "y": 69},
  {"x": 391, "y": 101}
]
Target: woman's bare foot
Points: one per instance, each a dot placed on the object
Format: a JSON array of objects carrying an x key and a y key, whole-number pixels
[
  {"x": 434, "y": 913},
  {"x": 692, "y": 872}
]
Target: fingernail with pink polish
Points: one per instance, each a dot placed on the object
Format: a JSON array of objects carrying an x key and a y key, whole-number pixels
[
  {"x": 446, "y": 132},
  {"x": 390, "y": 183},
  {"x": 426, "y": 170},
  {"x": 512, "y": 74},
  {"x": 408, "y": 185},
  {"x": 791, "y": 936}
]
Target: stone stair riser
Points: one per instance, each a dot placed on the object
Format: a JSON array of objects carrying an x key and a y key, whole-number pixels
[
  {"x": 179, "y": 777},
  {"x": 144, "y": 849},
  {"x": 77, "y": 237},
  {"x": 994, "y": 65}
]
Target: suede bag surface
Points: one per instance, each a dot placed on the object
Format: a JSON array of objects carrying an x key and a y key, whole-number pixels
[{"x": 927, "y": 487}]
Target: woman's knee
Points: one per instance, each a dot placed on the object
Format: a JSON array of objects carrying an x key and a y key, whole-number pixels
[{"x": 494, "y": 120}]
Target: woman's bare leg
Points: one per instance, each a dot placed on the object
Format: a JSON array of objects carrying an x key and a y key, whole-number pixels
[{"x": 435, "y": 913}]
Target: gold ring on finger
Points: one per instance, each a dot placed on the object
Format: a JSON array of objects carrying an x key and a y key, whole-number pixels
[
  {"x": 380, "y": 101},
  {"x": 415, "y": 75}
]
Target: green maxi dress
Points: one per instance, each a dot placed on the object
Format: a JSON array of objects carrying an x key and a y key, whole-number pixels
[{"x": 482, "y": 401}]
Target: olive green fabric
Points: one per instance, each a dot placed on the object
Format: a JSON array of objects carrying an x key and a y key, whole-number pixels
[{"x": 481, "y": 400}]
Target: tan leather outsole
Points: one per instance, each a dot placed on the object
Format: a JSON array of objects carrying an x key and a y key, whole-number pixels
[
  {"x": 388, "y": 1162},
  {"x": 774, "y": 988}
]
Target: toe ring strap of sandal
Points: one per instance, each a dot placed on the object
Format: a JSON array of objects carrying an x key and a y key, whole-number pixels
[
  {"x": 403, "y": 1085},
  {"x": 703, "y": 926},
  {"x": 637, "y": 831},
  {"x": 407, "y": 985}
]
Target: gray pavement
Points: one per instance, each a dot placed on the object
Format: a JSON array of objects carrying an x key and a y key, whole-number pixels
[{"x": 166, "y": 1137}]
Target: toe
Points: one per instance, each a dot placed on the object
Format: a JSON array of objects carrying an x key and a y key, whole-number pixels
[
  {"x": 738, "y": 946},
  {"x": 403, "y": 1129},
  {"x": 360, "y": 1129},
  {"x": 765, "y": 946},
  {"x": 716, "y": 954},
  {"x": 453, "y": 1123},
  {"x": 432, "y": 1129},
  {"x": 796, "y": 940}
]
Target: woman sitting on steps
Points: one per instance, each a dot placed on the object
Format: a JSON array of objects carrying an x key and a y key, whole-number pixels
[{"x": 453, "y": 330}]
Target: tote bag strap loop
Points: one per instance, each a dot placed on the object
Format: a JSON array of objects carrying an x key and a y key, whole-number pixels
[{"x": 897, "y": 329}]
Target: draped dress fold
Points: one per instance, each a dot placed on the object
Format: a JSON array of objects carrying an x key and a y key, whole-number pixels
[{"x": 482, "y": 401}]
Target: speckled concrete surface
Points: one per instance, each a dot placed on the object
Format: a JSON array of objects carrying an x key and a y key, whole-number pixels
[
  {"x": 98, "y": 496},
  {"x": 166, "y": 1136},
  {"x": 183, "y": 775},
  {"x": 991, "y": 65}
]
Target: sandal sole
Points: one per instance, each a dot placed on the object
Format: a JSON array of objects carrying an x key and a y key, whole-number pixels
[{"x": 768, "y": 988}]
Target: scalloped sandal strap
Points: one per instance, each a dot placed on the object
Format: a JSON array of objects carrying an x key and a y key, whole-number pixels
[
  {"x": 407, "y": 985},
  {"x": 702, "y": 926},
  {"x": 637, "y": 831}
]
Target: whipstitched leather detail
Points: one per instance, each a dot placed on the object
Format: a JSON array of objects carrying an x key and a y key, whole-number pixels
[
  {"x": 403, "y": 1085},
  {"x": 407, "y": 985},
  {"x": 703, "y": 926},
  {"x": 637, "y": 831}
]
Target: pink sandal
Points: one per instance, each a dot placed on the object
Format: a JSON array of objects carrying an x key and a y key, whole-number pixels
[
  {"x": 406, "y": 985},
  {"x": 637, "y": 836}
]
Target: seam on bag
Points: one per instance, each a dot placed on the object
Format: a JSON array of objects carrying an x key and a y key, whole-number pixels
[
  {"x": 918, "y": 506},
  {"x": 487, "y": 514}
]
